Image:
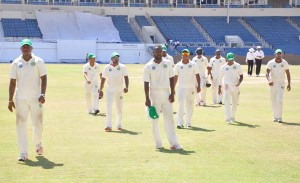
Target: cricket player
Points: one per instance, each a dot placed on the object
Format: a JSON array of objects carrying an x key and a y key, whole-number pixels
[
  {"x": 233, "y": 76},
  {"x": 214, "y": 67},
  {"x": 28, "y": 77},
  {"x": 202, "y": 63},
  {"x": 114, "y": 74},
  {"x": 91, "y": 72},
  {"x": 186, "y": 73},
  {"x": 276, "y": 69},
  {"x": 166, "y": 56},
  {"x": 159, "y": 92}
]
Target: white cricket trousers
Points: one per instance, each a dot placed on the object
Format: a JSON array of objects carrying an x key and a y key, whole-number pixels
[
  {"x": 201, "y": 97},
  {"x": 116, "y": 97},
  {"x": 215, "y": 87},
  {"x": 92, "y": 89},
  {"x": 186, "y": 98},
  {"x": 276, "y": 92},
  {"x": 231, "y": 94},
  {"x": 160, "y": 100},
  {"x": 23, "y": 108}
]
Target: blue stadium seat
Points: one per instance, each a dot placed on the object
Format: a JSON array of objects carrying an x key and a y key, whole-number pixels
[
  {"x": 11, "y": 1},
  {"x": 20, "y": 28},
  {"x": 219, "y": 28},
  {"x": 276, "y": 31},
  {"x": 125, "y": 31},
  {"x": 142, "y": 21},
  {"x": 178, "y": 28}
]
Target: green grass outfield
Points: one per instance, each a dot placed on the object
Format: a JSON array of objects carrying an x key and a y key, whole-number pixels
[{"x": 77, "y": 149}]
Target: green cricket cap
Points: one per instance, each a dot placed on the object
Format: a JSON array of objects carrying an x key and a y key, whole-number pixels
[
  {"x": 230, "y": 56},
  {"x": 91, "y": 55},
  {"x": 114, "y": 54},
  {"x": 278, "y": 51},
  {"x": 164, "y": 48},
  {"x": 26, "y": 42},
  {"x": 186, "y": 50}
]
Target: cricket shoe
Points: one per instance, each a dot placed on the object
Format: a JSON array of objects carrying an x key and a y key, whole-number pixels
[
  {"x": 280, "y": 120},
  {"x": 96, "y": 111},
  {"x": 180, "y": 126},
  {"x": 40, "y": 151},
  {"x": 275, "y": 120},
  {"x": 107, "y": 129},
  {"x": 228, "y": 121},
  {"x": 23, "y": 157},
  {"x": 176, "y": 147}
]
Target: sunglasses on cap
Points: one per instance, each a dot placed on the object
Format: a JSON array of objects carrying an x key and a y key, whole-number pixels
[{"x": 185, "y": 54}]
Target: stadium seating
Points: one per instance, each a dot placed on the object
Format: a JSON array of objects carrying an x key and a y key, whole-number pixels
[
  {"x": 219, "y": 28},
  {"x": 210, "y": 6},
  {"x": 137, "y": 5},
  {"x": 125, "y": 31},
  {"x": 142, "y": 21},
  {"x": 277, "y": 31},
  {"x": 87, "y": 3},
  {"x": 178, "y": 28},
  {"x": 11, "y": 1},
  {"x": 20, "y": 28},
  {"x": 38, "y": 2},
  {"x": 296, "y": 20},
  {"x": 63, "y": 3},
  {"x": 113, "y": 4},
  {"x": 156, "y": 5}
]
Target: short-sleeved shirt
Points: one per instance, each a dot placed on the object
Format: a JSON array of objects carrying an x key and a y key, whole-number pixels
[
  {"x": 169, "y": 58},
  {"x": 158, "y": 75},
  {"x": 92, "y": 72},
  {"x": 114, "y": 77},
  {"x": 277, "y": 70},
  {"x": 216, "y": 65},
  {"x": 28, "y": 76},
  {"x": 186, "y": 74},
  {"x": 230, "y": 74},
  {"x": 202, "y": 64},
  {"x": 259, "y": 54}
]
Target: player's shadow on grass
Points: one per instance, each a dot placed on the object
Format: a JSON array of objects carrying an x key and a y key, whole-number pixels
[
  {"x": 292, "y": 124},
  {"x": 182, "y": 151},
  {"x": 126, "y": 132},
  {"x": 99, "y": 114},
  {"x": 200, "y": 129},
  {"x": 237, "y": 123},
  {"x": 213, "y": 106},
  {"x": 42, "y": 162}
]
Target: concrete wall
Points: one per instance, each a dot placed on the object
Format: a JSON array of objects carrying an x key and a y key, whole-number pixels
[{"x": 129, "y": 53}]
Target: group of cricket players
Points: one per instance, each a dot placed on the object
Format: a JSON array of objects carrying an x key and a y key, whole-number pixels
[{"x": 28, "y": 79}]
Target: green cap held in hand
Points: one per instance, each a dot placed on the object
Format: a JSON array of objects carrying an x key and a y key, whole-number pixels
[{"x": 152, "y": 112}]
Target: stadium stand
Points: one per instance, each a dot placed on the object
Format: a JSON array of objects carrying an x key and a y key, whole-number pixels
[
  {"x": 11, "y": 1},
  {"x": 142, "y": 21},
  {"x": 126, "y": 32},
  {"x": 296, "y": 20},
  {"x": 219, "y": 28},
  {"x": 178, "y": 28},
  {"x": 277, "y": 31},
  {"x": 20, "y": 28}
]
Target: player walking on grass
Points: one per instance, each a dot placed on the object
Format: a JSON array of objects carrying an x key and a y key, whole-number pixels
[
  {"x": 114, "y": 74},
  {"x": 276, "y": 69},
  {"x": 202, "y": 63},
  {"x": 214, "y": 67},
  {"x": 233, "y": 76},
  {"x": 28, "y": 77},
  {"x": 91, "y": 71},
  {"x": 186, "y": 73},
  {"x": 159, "y": 92}
]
